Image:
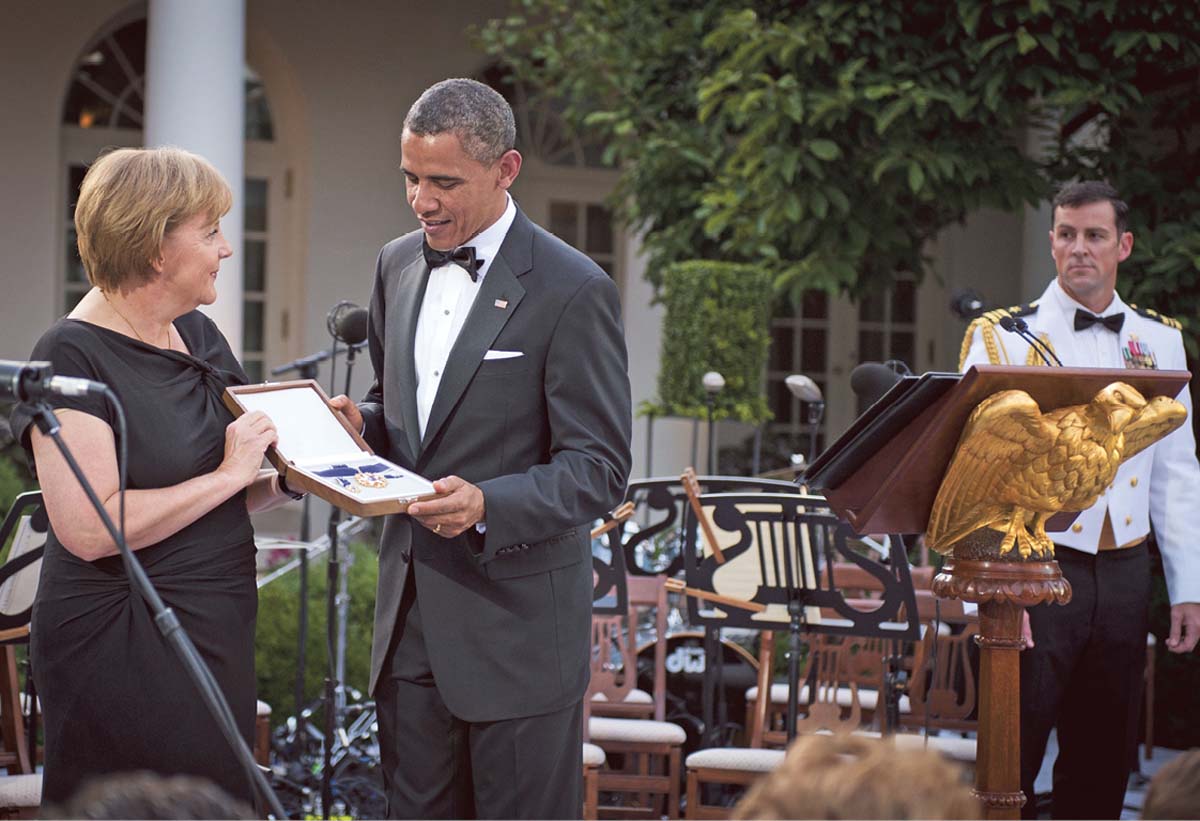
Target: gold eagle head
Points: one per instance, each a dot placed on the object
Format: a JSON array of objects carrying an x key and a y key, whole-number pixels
[{"x": 1117, "y": 404}]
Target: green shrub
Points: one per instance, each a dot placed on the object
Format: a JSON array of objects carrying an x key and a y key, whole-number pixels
[
  {"x": 278, "y": 625},
  {"x": 718, "y": 318}
]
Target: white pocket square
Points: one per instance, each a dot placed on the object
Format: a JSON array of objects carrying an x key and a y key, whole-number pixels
[{"x": 502, "y": 355}]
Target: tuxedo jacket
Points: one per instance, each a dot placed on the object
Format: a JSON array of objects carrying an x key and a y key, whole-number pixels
[{"x": 506, "y": 613}]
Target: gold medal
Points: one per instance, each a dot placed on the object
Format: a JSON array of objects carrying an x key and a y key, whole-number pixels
[{"x": 370, "y": 479}]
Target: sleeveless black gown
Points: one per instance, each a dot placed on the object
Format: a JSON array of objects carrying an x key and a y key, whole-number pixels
[{"x": 115, "y": 697}]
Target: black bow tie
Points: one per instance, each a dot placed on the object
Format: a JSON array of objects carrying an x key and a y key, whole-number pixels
[
  {"x": 463, "y": 256},
  {"x": 1113, "y": 322}
]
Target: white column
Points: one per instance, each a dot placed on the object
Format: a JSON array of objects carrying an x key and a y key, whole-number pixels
[{"x": 195, "y": 65}]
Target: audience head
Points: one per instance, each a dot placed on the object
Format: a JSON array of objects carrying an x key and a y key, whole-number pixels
[
  {"x": 1175, "y": 789},
  {"x": 839, "y": 777},
  {"x": 148, "y": 795}
]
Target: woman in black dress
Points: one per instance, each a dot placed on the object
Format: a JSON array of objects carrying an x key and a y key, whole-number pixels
[{"x": 114, "y": 695}]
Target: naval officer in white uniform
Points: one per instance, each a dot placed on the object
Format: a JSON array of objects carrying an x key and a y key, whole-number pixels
[{"x": 1082, "y": 672}]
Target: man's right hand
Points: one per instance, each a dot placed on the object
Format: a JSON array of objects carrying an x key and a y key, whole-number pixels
[
  {"x": 1026, "y": 631},
  {"x": 345, "y": 405}
]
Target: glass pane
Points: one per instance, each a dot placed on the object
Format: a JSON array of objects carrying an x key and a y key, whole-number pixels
[
  {"x": 904, "y": 301},
  {"x": 812, "y": 351},
  {"x": 100, "y": 67},
  {"x": 74, "y": 180},
  {"x": 782, "y": 339},
  {"x": 599, "y": 230},
  {"x": 252, "y": 325},
  {"x": 779, "y": 398},
  {"x": 74, "y": 263},
  {"x": 258, "y": 113},
  {"x": 256, "y": 204},
  {"x": 564, "y": 222},
  {"x": 870, "y": 346},
  {"x": 254, "y": 265},
  {"x": 254, "y": 370},
  {"x": 904, "y": 347},
  {"x": 815, "y": 305},
  {"x": 870, "y": 307}
]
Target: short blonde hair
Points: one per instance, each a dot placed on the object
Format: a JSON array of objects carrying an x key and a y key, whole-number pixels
[
  {"x": 856, "y": 777},
  {"x": 130, "y": 199}
]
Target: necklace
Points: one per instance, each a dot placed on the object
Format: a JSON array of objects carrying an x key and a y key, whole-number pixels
[{"x": 130, "y": 324}]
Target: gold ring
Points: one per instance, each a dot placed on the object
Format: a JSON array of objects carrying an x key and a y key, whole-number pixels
[{"x": 437, "y": 528}]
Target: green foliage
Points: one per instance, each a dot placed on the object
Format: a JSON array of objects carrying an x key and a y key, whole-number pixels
[
  {"x": 278, "y": 620},
  {"x": 830, "y": 141},
  {"x": 717, "y": 319}
]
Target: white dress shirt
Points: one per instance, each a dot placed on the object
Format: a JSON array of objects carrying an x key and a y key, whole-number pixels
[{"x": 448, "y": 300}]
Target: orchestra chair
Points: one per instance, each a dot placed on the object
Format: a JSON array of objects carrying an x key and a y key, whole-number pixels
[
  {"x": 650, "y": 749},
  {"x": 943, "y": 695},
  {"x": 645, "y": 593},
  {"x": 738, "y": 766},
  {"x": 20, "y": 795},
  {"x": 593, "y": 760},
  {"x": 24, "y": 530}
]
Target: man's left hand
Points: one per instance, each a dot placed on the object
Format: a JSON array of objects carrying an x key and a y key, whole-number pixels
[
  {"x": 1185, "y": 627},
  {"x": 459, "y": 507}
]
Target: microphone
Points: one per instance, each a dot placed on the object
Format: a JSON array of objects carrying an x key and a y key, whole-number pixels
[
  {"x": 351, "y": 326},
  {"x": 27, "y": 381},
  {"x": 871, "y": 380},
  {"x": 347, "y": 322},
  {"x": 966, "y": 304},
  {"x": 1019, "y": 327}
]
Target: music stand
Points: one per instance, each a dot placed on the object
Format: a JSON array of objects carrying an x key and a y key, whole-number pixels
[{"x": 779, "y": 552}]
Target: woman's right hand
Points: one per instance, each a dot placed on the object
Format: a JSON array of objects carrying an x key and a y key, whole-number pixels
[{"x": 246, "y": 440}]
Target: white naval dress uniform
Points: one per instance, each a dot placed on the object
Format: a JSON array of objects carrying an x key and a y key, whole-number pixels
[{"x": 1084, "y": 673}]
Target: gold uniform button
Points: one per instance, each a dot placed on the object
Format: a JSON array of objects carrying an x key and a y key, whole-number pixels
[
  {"x": 1077, "y": 528},
  {"x": 1128, "y": 520},
  {"x": 1133, "y": 482}
]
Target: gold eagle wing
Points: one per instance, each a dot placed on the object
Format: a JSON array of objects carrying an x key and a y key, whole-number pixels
[{"x": 1000, "y": 463}]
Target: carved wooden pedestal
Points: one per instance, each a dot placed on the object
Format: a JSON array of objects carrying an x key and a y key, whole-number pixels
[{"x": 1001, "y": 589}]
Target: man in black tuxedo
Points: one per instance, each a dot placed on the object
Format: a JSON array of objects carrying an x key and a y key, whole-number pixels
[{"x": 500, "y": 365}]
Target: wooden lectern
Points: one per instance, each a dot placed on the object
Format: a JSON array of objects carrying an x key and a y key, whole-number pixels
[{"x": 883, "y": 475}]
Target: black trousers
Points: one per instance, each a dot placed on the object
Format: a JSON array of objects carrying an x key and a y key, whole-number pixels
[
  {"x": 436, "y": 765},
  {"x": 1084, "y": 676}
]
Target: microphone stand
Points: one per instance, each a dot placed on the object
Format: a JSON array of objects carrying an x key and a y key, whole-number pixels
[
  {"x": 165, "y": 618},
  {"x": 335, "y": 660},
  {"x": 306, "y": 368}
]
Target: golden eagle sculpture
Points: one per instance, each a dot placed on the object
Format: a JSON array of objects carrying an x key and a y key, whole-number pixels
[{"x": 1016, "y": 466}]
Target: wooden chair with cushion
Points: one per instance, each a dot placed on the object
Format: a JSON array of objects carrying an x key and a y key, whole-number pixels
[
  {"x": 944, "y": 696},
  {"x": 739, "y": 766},
  {"x": 647, "y": 783},
  {"x": 26, "y": 525},
  {"x": 641, "y": 772}
]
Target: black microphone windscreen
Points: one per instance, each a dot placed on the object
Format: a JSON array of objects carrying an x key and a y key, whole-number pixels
[
  {"x": 1009, "y": 324},
  {"x": 871, "y": 380},
  {"x": 351, "y": 326}
]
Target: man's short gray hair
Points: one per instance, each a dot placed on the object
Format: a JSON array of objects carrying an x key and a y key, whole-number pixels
[{"x": 476, "y": 113}]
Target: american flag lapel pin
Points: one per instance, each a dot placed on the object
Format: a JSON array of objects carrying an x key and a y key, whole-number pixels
[{"x": 501, "y": 303}]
